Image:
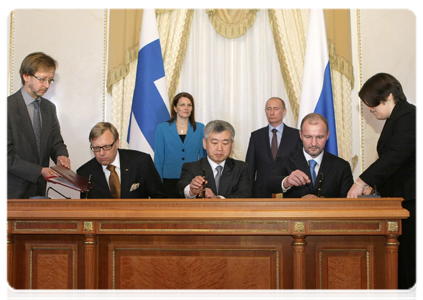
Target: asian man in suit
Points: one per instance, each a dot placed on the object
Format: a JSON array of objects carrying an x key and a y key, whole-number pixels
[
  {"x": 311, "y": 171},
  {"x": 119, "y": 173},
  {"x": 267, "y": 143},
  {"x": 224, "y": 177},
  {"x": 33, "y": 130}
]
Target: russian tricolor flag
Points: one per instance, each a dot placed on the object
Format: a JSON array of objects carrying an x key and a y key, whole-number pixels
[
  {"x": 316, "y": 92},
  {"x": 150, "y": 101}
]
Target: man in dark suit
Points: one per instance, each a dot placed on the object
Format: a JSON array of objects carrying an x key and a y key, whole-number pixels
[
  {"x": 224, "y": 177},
  {"x": 311, "y": 172},
  {"x": 119, "y": 173},
  {"x": 268, "y": 143},
  {"x": 33, "y": 131}
]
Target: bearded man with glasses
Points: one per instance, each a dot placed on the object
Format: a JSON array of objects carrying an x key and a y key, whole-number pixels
[
  {"x": 33, "y": 130},
  {"x": 119, "y": 173}
]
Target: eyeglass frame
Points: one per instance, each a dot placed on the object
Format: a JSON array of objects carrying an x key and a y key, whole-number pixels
[
  {"x": 102, "y": 147},
  {"x": 44, "y": 80}
]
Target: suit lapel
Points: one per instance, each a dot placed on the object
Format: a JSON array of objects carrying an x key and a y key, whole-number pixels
[
  {"x": 25, "y": 121},
  {"x": 100, "y": 181},
  {"x": 46, "y": 124},
  {"x": 209, "y": 174},
  {"x": 226, "y": 178},
  {"x": 326, "y": 165},
  {"x": 173, "y": 131},
  {"x": 266, "y": 141},
  {"x": 125, "y": 174},
  {"x": 189, "y": 134}
]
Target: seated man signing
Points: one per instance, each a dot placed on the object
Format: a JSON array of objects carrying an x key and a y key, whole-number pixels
[
  {"x": 119, "y": 173},
  {"x": 224, "y": 177},
  {"x": 311, "y": 171}
]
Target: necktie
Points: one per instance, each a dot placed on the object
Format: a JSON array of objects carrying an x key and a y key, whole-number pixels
[
  {"x": 114, "y": 182},
  {"x": 274, "y": 143},
  {"x": 312, "y": 164},
  {"x": 217, "y": 178},
  {"x": 37, "y": 124}
]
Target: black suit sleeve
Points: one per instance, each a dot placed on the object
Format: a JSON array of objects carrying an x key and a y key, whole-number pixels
[
  {"x": 153, "y": 182},
  {"x": 251, "y": 160},
  {"x": 278, "y": 173}
]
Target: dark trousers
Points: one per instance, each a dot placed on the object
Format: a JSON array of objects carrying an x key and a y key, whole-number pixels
[{"x": 407, "y": 248}]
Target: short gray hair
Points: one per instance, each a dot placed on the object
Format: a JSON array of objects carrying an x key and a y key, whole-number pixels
[{"x": 218, "y": 126}]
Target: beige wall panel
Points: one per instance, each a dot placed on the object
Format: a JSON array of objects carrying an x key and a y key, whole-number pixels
[{"x": 388, "y": 44}]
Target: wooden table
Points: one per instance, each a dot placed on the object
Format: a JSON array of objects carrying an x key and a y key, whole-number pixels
[{"x": 204, "y": 244}]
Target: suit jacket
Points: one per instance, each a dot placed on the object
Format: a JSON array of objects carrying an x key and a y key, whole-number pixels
[
  {"x": 234, "y": 182},
  {"x": 24, "y": 164},
  {"x": 337, "y": 175},
  {"x": 393, "y": 174},
  {"x": 170, "y": 153},
  {"x": 137, "y": 173},
  {"x": 260, "y": 160}
]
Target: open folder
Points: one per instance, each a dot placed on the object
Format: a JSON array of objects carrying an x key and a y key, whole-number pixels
[{"x": 69, "y": 178}]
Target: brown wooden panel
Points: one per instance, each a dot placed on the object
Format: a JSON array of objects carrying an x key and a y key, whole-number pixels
[
  {"x": 195, "y": 226},
  {"x": 345, "y": 267},
  {"x": 26, "y": 226},
  {"x": 195, "y": 268},
  {"x": 362, "y": 226},
  {"x": 51, "y": 266}
]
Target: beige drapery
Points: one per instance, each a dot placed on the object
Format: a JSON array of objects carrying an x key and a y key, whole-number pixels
[{"x": 289, "y": 29}]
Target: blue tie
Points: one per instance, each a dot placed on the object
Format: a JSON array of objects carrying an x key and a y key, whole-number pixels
[{"x": 312, "y": 164}]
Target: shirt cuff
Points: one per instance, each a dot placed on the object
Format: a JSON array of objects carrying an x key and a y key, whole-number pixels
[
  {"x": 186, "y": 193},
  {"x": 285, "y": 189}
]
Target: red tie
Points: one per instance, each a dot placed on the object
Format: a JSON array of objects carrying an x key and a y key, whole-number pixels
[{"x": 274, "y": 143}]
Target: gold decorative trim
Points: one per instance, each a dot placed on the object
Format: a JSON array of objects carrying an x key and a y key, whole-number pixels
[
  {"x": 41, "y": 222},
  {"x": 299, "y": 226},
  {"x": 346, "y": 230},
  {"x": 340, "y": 64},
  {"x": 344, "y": 250},
  {"x": 11, "y": 51},
  {"x": 234, "y": 30},
  {"x": 360, "y": 72},
  {"x": 105, "y": 58},
  {"x": 181, "y": 55},
  {"x": 88, "y": 226},
  {"x": 191, "y": 249},
  {"x": 52, "y": 248},
  {"x": 163, "y": 11},
  {"x": 286, "y": 223},
  {"x": 293, "y": 99},
  {"x": 393, "y": 226}
]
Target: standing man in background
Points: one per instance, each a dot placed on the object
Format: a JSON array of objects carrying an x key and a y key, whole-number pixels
[
  {"x": 268, "y": 143},
  {"x": 33, "y": 130}
]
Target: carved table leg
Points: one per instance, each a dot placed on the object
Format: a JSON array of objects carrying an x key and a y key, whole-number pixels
[
  {"x": 299, "y": 245},
  {"x": 10, "y": 244},
  {"x": 90, "y": 249},
  {"x": 391, "y": 273}
]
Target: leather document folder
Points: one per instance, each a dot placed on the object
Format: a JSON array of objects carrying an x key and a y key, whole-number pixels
[{"x": 70, "y": 179}]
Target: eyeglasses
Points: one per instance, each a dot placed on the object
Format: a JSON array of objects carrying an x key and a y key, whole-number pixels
[
  {"x": 105, "y": 147},
  {"x": 44, "y": 80}
]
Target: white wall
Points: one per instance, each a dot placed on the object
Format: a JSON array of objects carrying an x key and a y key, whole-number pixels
[
  {"x": 76, "y": 39},
  {"x": 388, "y": 44}
]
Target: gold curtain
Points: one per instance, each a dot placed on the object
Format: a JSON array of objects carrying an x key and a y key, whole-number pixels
[
  {"x": 124, "y": 37},
  {"x": 232, "y": 23}
]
